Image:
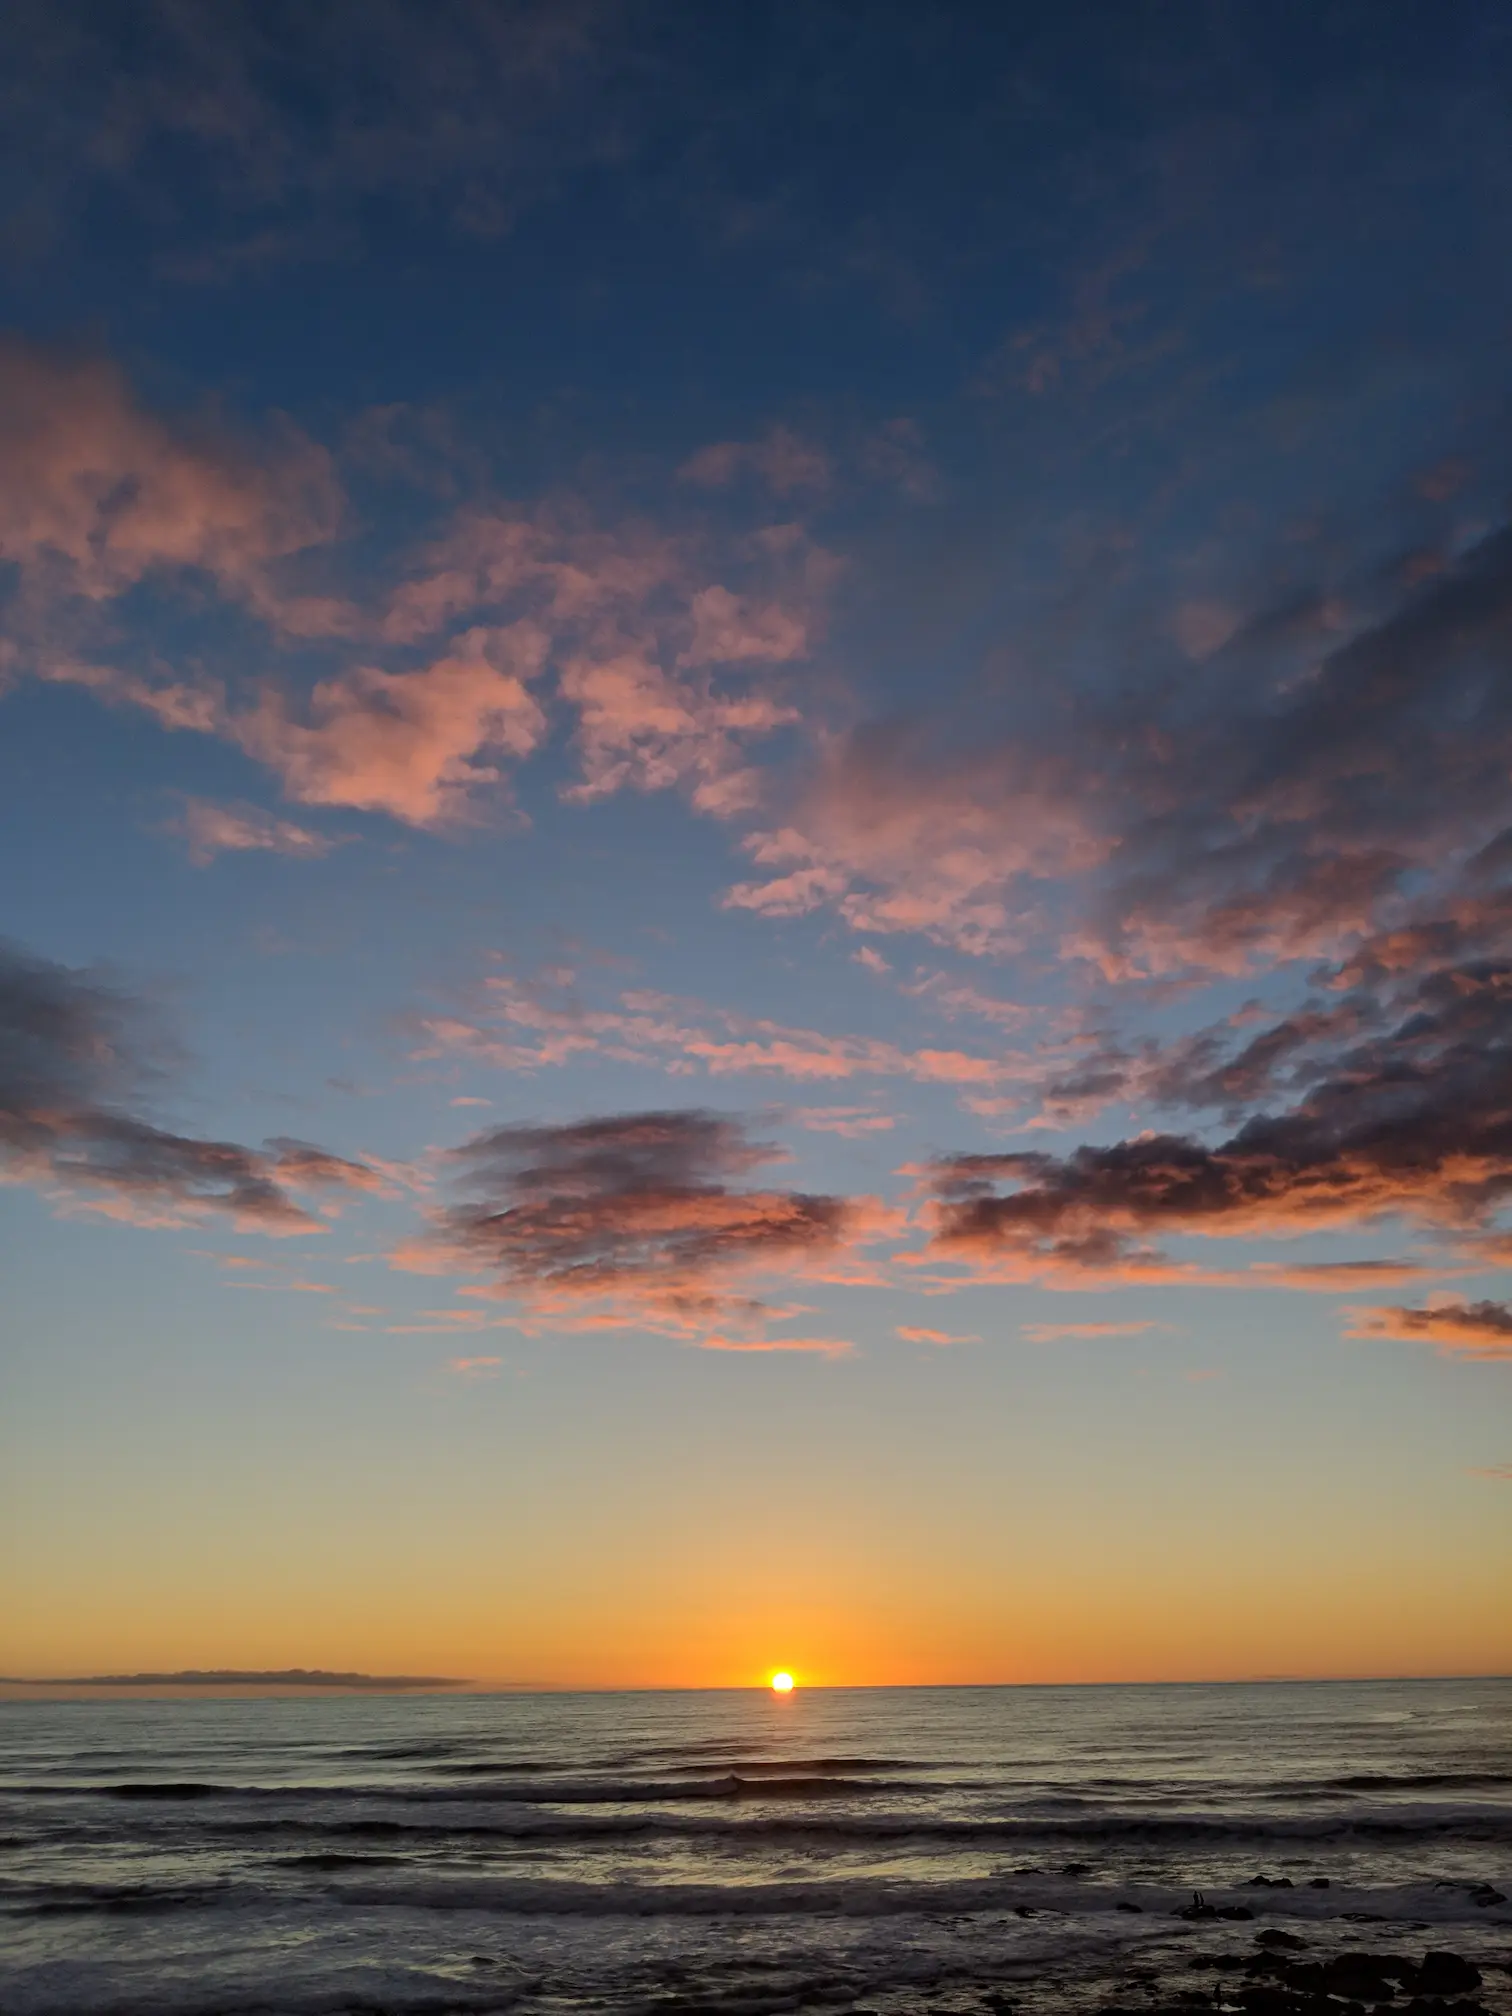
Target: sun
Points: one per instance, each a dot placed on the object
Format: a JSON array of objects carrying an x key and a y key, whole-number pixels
[{"x": 782, "y": 1683}]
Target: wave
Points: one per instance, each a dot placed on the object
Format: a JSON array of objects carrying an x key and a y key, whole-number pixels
[
  {"x": 564, "y": 1792},
  {"x": 850, "y": 1897},
  {"x": 1469, "y": 1825},
  {"x": 1426, "y": 1781},
  {"x": 52, "y": 1900}
]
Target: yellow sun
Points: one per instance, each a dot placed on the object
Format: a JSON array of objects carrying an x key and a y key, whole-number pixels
[{"x": 782, "y": 1683}]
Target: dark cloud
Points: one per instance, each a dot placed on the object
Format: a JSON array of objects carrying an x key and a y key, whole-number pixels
[
  {"x": 291, "y": 1676},
  {"x": 1414, "y": 1122},
  {"x": 71, "y": 1071},
  {"x": 636, "y": 1207},
  {"x": 1326, "y": 775},
  {"x": 1473, "y": 1329},
  {"x": 239, "y": 137},
  {"x": 1308, "y": 794}
]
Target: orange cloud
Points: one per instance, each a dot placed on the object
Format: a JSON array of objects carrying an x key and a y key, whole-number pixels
[
  {"x": 827, "y": 1347},
  {"x": 913, "y": 1333},
  {"x": 1466, "y": 1329}
]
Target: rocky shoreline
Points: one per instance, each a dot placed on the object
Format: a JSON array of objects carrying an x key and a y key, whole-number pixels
[{"x": 1278, "y": 1976}]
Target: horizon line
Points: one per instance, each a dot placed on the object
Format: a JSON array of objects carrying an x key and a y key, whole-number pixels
[{"x": 295, "y": 1680}]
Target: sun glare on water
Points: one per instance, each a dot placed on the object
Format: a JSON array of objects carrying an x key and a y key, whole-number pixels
[{"x": 782, "y": 1683}]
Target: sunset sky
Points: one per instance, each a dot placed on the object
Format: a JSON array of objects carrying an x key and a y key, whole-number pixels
[{"x": 757, "y": 799}]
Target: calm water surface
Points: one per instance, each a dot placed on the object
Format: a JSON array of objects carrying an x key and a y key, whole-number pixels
[{"x": 883, "y": 1849}]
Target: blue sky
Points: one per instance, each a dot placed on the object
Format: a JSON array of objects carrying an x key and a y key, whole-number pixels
[{"x": 755, "y": 800}]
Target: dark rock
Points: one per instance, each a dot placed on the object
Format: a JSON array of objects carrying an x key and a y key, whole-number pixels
[
  {"x": 1484, "y": 1894},
  {"x": 1261, "y": 2000},
  {"x": 1361, "y": 1977},
  {"x": 1318, "y": 1883},
  {"x": 1283, "y": 1942},
  {"x": 1270, "y": 1883},
  {"x": 1077, "y": 1869},
  {"x": 1124, "y": 1905},
  {"x": 1445, "y": 1974},
  {"x": 1198, "y": 1908}
]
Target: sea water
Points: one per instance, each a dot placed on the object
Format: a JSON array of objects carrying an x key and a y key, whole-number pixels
[{"x": 879, "y": 1849}]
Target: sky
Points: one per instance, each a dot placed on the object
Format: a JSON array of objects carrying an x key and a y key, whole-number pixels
[{"x": 757, "y": 892}]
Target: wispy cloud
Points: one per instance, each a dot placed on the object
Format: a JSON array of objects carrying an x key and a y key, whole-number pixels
[
  {"x": 781, "y": 459},
  {"x": 535, "y": 1024},
  {"x": 210, "y": 829}
]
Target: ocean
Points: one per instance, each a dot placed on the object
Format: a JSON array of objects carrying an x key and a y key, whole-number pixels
[{"x": 886, "y": 1850}]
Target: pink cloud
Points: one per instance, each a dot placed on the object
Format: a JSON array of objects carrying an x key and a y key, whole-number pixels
[
  {"x": 896, "y": 843},
  {"x": 96, "y": 493},
  {"x": 637, "y": 632},
  {"x": 913, "y": 1333},
  {"x": 852, "y": 1123},
  {"x": 641, "y": 727},
  {"x": 413, "y": 744},
  {"x": 663, "y": 652},
  {"x": 531, "y": 1026},
  {"x": 212, "y": 829}
]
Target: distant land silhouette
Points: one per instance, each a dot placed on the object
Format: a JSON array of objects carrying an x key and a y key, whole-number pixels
[{"x": 292, "y": 1676}]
